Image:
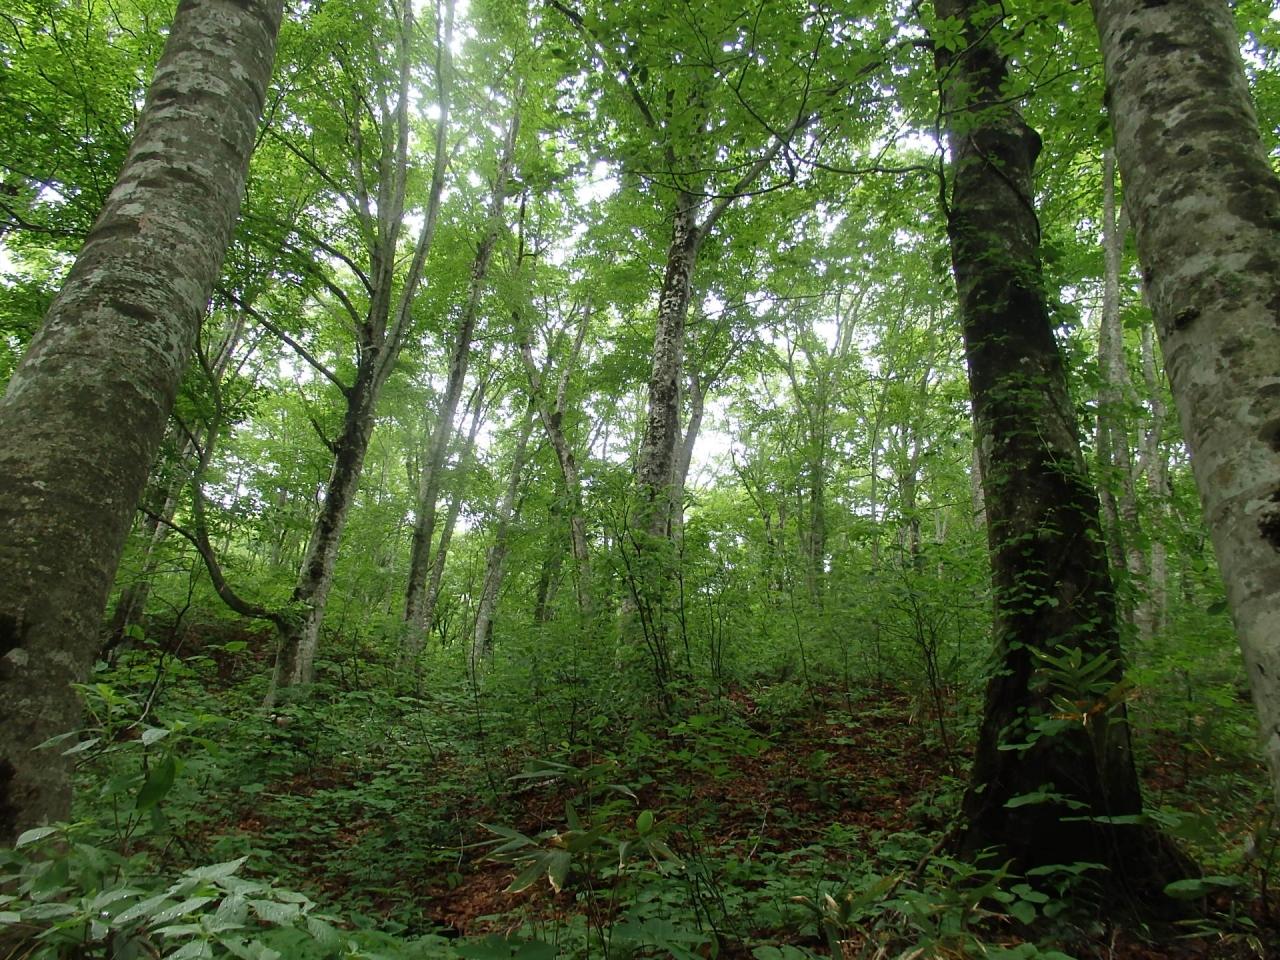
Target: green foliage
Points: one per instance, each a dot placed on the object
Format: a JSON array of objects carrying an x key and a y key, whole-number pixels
[{"x": 75, "y": 899}]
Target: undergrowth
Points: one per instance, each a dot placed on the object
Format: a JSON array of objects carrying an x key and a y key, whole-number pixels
[{"x": 530, "y": 816}]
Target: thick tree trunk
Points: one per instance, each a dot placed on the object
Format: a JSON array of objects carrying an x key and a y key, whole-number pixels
[
  {"x": 86, "y": 409},
  {"x": 482, "y": 641},
  {"x": 1054, "y": 736},
  {"x": 1205, "y": 206}
]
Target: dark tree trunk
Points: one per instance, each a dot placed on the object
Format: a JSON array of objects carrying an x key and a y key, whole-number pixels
[
  {"x": 1053, "y": 752},
  {"x": 86, "y": 409}
]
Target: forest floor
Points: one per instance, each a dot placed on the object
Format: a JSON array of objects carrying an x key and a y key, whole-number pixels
[{"x": 771, "y": 837}]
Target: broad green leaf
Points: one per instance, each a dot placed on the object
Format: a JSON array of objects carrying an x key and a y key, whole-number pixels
[
  {"x": 558, "y": 863},
  {"x": 140, "y": 909},
  {"x": 153, "y": 734},
  {"x": 195, "y": 950},
  {"x": 281, "y": 914},
  {"x": 217, "y": 871},
  {"x": 527, "y": 877},
  {"x": 159, "y": 782},
  {"x": 31, "y": 836}
]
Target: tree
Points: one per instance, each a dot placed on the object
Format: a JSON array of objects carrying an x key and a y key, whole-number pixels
[
  {"x": 1053, "y": 761},
  {"x": 375, "y": 189},
  {"x": 1205, "y": 205},
  {"x": 86, "y": 409}
]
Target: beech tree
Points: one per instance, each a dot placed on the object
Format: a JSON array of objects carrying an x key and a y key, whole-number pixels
[
  {"x": 1205, "y": 206},
  {"x": 85, "y": 410},
  {"x": 1053, "y": 777}
]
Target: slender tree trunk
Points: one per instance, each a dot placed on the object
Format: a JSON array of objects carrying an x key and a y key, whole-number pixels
[
  {"x": 1054, "y": 609},
  {"x": 456, "y": 498},
  {"x": 1205, "y": 206},
  {"x": 295, "y": 656},
  {"x": 482, "y": 642},
  {"x": 381, "y": 337},
  {"x": 417, "y": 593},
  {"x": 695, "y": 399},
  {"x": 552, "y": 418},
  {"x": 1116, "y": 494},
  {"x": 86, "y": 409},
  {"x": 656, "y": 460},
  {"x": 1154, "y": 465}
]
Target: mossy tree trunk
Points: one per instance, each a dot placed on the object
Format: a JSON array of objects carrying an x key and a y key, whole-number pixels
[
  {"x": 1053, "y": 752},
  {"x": 86, "y": 410},
  {"x": 1205, "y": 205}
]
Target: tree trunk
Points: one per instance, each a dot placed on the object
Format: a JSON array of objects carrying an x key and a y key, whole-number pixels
[
  {"x": 86, "y": 409},
  {"x": 417, "y": 591},
  {"x": 381, "y": 336},
  {"x": 552, "y": 417},
  {"x": 1054, "y": 736},
  {"x": 1154, "y": 463},
  {"x": 1205, "y": 206},
  {"x": 696, "y": 401},
  {"x": 1115, "y": 461},
  {"x": 295, "y": 655},
  {"x": 431, "y": 562},
  {"x": 656, "y": 460},
  {"x": 482, "y": 643}
]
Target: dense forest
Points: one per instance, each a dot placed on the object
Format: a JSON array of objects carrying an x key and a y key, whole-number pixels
[{"x": 535, "y": 478}]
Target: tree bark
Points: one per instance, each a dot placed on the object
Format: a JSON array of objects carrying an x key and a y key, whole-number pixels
[
  {"x": 656, "y": 461},
  {"x": 1115, "y": 459},
  {"x": 1054, "y": 738},
  {"x": 417, "y": 593},
  {"x": 1205, "y": 206},
  {"x": 482, "y": 642},
  {"x": 552, "y": 416},
  {"x": 86, "y": 409},
  {"x": 381, "y": 334}
]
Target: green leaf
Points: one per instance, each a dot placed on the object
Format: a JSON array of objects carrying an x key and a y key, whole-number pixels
[
  {"x": 49, "y": 911},
  {"x": 195, "y": 950},
  {"x": 140, "y": 909},
  {"x": 217, "y": 871},
  {"x": 153, "y": 734},
  {"x": 324, "y": 934},
  {"x": 527, "y": 877},
  {"x": 81, "y": 747},
  {"x": 644, "y": 822},
  {"x": 1023, "y": 911},
  {"x": 159, "y": 782},
  {"x": 189, "y": 905},
  {"x": 280, "y": 914},
  {"x": 1196, "y": 887},
  {"x": 33, "y": 835},
  {"x": 558, "y": 868}
]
